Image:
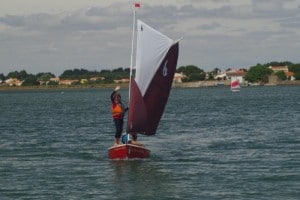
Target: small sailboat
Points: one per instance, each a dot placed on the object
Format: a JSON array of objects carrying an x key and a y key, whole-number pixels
[
  {"x": 155, "y": 65},
  {"x": 235, "y": 85}
]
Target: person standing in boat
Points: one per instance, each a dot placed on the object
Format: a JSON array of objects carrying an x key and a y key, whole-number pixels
[{"x": 118, "y": 110}]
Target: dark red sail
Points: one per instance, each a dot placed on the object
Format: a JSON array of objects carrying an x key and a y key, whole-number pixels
[
  {"x": 158, "y": 91},
  {"x": 137, "y": 114}
]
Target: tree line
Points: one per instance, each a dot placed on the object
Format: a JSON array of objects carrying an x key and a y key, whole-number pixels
[
  {"x": 260, "y": 72},
  {"x": 75, "y": 74},
  {"x": 257, "y": 73}
]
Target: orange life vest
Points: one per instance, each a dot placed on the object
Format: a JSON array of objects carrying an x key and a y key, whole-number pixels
[{"x": 117, "y": 111}]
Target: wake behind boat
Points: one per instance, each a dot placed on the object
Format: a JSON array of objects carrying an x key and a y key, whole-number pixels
[{"x": 155, "y": 61}]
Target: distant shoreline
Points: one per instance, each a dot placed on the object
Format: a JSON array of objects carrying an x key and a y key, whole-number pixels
[
  {"x": 226, "y": 83},
  {"x": 59, "y": 87},
  {"x": 198, "y": 84}
]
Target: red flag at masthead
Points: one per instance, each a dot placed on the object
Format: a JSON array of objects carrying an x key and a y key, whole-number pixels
[{"x": 137, "y": 5}]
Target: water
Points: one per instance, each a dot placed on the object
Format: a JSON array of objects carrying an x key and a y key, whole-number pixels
[{"x": 211, "y": 144}]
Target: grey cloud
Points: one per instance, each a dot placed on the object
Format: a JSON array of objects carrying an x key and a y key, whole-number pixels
[
  {"x": 191, "y": 11},
  {"x": 30, "y": 22},
  {"x": 90, "y": 19},
  {"x": 292, "y": 22},
  {"x": 267, "y": 5},
  {"x": 12, "y": 20},
  {"x": 272, "y": 9},
  {"x": 88, "y": 36},
  {"x": 211, "y": 26},
  {"x": 97, "y": 18}
]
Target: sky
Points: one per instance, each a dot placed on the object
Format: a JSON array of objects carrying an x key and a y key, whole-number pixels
[{"x": 55, "y": 35}]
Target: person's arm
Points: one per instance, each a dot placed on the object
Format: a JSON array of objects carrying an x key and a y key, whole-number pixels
[
  {"x": 113, "y": 93},
  {"x": 112, "y": 96}
]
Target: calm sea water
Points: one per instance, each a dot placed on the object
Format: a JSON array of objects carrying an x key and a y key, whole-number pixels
[{"x": 211, "y": 144}]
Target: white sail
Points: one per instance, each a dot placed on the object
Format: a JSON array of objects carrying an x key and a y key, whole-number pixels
[{"x": 152, "y": 46}]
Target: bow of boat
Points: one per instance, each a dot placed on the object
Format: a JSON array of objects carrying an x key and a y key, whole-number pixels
[{"x": 128, "y": 151}]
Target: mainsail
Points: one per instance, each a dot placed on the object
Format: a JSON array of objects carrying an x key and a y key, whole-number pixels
[
  {"x": 235, "y": 84},
  {"x": 156, "y": 61}
]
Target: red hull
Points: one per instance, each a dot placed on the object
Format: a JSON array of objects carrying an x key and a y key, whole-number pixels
[{"x": 128, "y": 151}]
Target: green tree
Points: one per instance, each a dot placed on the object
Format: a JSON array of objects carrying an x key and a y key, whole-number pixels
[
  {"x": 74, "y": 74},
  {"x": 210, "y": 76},
  {"x": 258, "y": 73},
  {"x": 295, "y": 68},
  {"x": 118, "y": 70},
  {"x": 108, "y": 79},
  {"x": 2, "y": 77},
  {"x": 53, "y": 83},
  {"x": 44, "y": 76},
  {"x": 109, "y": 75},
  {"x": 196, "y": 77},
  {"x": 30, "y": 80},
  {"x": 192, "y": 72},
  {"x": 275, "y": 63},
  {"x": 297, "y": 76},
  {"x": 21, "y": 75},
  {"x": 281, "y": 75},
  {"x": 213, "y": 73},
  {"x": 216, "y": 71},
  {"x": 104, "y": 71},
  {"x": 127, "y": 70}
]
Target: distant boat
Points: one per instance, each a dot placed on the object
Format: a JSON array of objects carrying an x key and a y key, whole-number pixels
[
  {"x": 219, "y": 84},
  {"x": 156, "y": 61},
  {"x": 255, "y": 84},
  {"x": 235, "y": 85}
]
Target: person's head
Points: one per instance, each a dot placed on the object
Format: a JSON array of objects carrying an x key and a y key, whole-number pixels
[{"x": 117, "y": 97}]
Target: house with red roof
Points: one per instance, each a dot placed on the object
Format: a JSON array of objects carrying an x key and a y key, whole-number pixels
[
  {"x": 236, "y": 74},
  {"x": 285, "y": 69}
]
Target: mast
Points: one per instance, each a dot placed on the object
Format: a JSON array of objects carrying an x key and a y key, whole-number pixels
[{"x": 136, "y": 5}]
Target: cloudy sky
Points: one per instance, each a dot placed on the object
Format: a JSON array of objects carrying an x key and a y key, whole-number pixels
[{"x": 55, "y": 35}]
